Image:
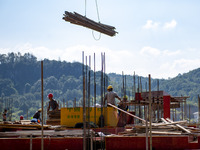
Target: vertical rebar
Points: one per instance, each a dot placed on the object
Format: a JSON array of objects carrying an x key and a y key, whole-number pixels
[
  {"x": 134, "y": 88},
  {"x": 104, "y": 70},
  {"x": 138, "y": 85},
  {"x": 158, "y": 101},
  {"x": 84, "y": 112},
  {"x": 11, "y": 109},
  {"x": 145, "y": 112},
  {"x": 146, "y": 86},
  {"x": 89, "y": 69},
  {"x": 31, "y": 137},
  {"x": 185, "y": 110},
  {"x": 104, "y": 87},
  {"x": 158, "y": 85},
  {"x": 141, "y": 84},
  {"x": 94, "y": 90},
  {"x": 150, "y": 112},
  {"x": 101, "y": 117},
  {"x": 175, "y": 115},
  {"x": 189, "y": 114},
  {"x": 182, "y": 110},
  {"x": 123, "y": 89},
  {"x": 101, "y": 88},
  {"x": 199, "y": 110},
  {"x": 86, "y": 88},
  {"x": 42, "y": 99},
  {"x": 139, "y": 98},
  {"x": 125, "y": 85}
]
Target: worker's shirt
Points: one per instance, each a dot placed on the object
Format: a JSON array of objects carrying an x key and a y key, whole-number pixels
[
  {"x": 37, "y": 115},
  {"x": 53, "y": 104},
  {"x": 110, "y": 97}
]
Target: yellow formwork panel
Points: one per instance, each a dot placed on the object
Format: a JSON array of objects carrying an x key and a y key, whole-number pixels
[
  {"x": 71, "y": 116},
  {"x": 110, "y": 116}
]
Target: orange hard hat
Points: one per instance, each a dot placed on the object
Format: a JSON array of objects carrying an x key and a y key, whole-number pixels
[{"x": 50, "y": 95}]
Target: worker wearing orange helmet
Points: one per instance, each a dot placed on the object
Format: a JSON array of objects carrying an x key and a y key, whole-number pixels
[
  {"x": 111, "y": 95},
  {"x": 36, "y": 116},
  {"x": 52, "y": 103}
]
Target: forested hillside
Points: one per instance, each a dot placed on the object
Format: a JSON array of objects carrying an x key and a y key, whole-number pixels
[{"x": 20, "y": 83}]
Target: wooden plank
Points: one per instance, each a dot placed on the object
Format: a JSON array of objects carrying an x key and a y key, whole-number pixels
[
  {"x": 144, "y": 121},
  {"x": 166, "y": 133},
  {"x": 181, "y": 127},
  {"x": 167, "y": 123}
]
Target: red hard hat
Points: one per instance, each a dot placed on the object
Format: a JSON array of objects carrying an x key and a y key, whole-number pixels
[
  {"x": 50, "y": 95},
  {"x": 21, "y": 117}
]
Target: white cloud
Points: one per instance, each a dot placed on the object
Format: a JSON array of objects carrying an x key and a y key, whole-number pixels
[
  {"x": 157, "y": 25},
  {"x": 171, "y": 53},
  {"x": 170, "y": 25},
  {"x": 186, "y": 64},
  {"x": 150, "y": 51},
  {"x": 148, "y": 60},
  {"x": 174, "y": 67},
  {"x": 151, "y": 25}
]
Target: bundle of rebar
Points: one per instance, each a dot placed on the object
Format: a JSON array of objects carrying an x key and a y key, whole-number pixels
[{"x": 78, "y": 19}]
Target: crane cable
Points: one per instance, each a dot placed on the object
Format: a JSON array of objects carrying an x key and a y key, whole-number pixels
[
  {"x": 85, "y": 7},
  {"x": 99, "y": 22},
  {"x": 97, "y": 11},
  {"x": 98, "y": 19}
]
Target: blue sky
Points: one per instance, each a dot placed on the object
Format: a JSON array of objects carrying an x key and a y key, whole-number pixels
[{"x": 155, "y": 37}]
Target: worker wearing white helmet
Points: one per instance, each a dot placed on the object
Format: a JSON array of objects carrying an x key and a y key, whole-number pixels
[
  {"x": 36, "y": 116},
  {"x": 111, "y": 95}
]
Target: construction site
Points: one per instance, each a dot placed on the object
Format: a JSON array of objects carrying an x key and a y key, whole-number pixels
[
  {"x": 142, "y": 120},
  {"x": 150, "y": 121}
]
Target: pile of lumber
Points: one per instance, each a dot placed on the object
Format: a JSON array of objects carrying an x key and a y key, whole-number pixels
[
  {"x": 53, "y": 118},
  {"x": 46, "y": 133},
  {"x": 167, "y": 127},
  {"x": 22, "y": 126},
  {"x": 78, "y": 19}
]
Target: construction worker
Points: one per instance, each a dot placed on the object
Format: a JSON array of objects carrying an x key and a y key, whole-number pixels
[
  {"x": 123, "y": 104},
  {"x": 37, "y": 115},
  {"x": 122, "y": 116},
  {"x": 4, "y": 114},
  {"x": 21, "y": 117},
  {"x": 52, "y": 103},
  {"x": 111, "y": 95}
]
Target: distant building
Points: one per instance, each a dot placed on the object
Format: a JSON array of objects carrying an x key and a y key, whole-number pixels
[{"x": 196, "y": 116}]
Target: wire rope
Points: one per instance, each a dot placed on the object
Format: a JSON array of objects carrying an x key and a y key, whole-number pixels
[
  {"x": 85, "y": 7},
  {"x": 95, "y": 37},
  {"x": 97, "y": 10},
  {"x": 98, "y": 21}
]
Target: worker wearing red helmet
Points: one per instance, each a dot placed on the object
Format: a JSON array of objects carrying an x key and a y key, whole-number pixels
[{"x": 52, "y": 103}]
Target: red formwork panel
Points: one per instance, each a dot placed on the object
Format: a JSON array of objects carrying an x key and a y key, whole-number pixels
[
  {"x": 166, "y": 106},
  {"x": 158, "y": 143},
  {"x": 49, "y": 143}
]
